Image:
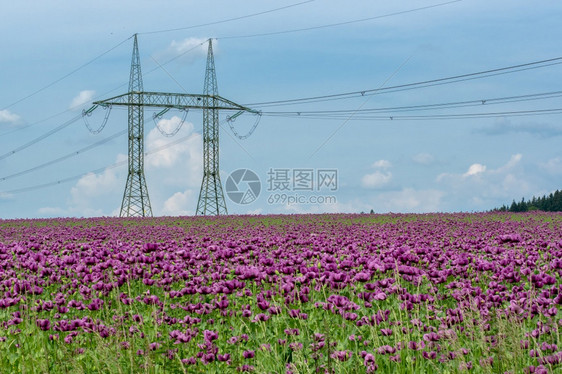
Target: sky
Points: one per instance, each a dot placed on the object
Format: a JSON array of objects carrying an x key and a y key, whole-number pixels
[{"x": 497, "y": 139}]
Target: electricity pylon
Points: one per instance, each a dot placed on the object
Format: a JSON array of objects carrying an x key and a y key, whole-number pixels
[
  {"x": 135, "y": 198},
  {"x": 211, "y": 197}
]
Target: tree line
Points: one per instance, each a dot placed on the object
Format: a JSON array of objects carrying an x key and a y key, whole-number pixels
[{"x": 550, "y": 203}]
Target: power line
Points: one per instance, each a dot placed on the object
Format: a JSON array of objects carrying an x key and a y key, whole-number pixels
[
  {"x": 41, "y": 137},
  {"x": 66, "y": 75},
  {"x": 348, "y": 118},
  {"x": 421, "y": 84},
  {"x": 118, "y": 45},
  {"x": 73, "y": 108},
  {"x": 178, "y": 56},
  {"x": 227, "y": 37},
  {"x": 66, "y": 124},
  {"x": 226, "y": 20},
  {"x": 65, "y": 180},
  {"x": 19, "y": 128},
  {"x": 99, "y": 170},
  {"x": 122, "y": 42},
  {"x": 360, "y": 117},
  {"x": 339, "y": 23},
  {"x": 65, "y": 157},
  {"x": 449, "y": 105}
]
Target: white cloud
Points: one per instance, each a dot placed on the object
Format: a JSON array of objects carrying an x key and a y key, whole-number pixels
[
  {"x": 168, "y": 169},
  {"x": 423, "y": 158},
  {"x": 337, "y": 207},
  {"x": 165, "y": 156},
  {"x": 376, "y": 179},
  {"x": 84, "y": 97},
  {"x": 505, "y": 126},
  {"x": 552, "y": 166},
  {"x": 91, "y": 194},
  {"x": 93, "y": 185},
  {"x": 480, "y": 169},
  {"x": 513, "y": 161},
  {"x": 6, "y": 196},
  {"x": 8, "y": 117},
  {"x": 174, "y": 168},
  {"x": 187, "y": 50},
  {"x": 484, "y": 188},
  {"x": 170, "y": 126},
  {"x": 178, "y": 204},
  {"x": 52, "y": 212},
  {"x": 180, "y": 164},
  {"x": 408, "y": 200},
  {"x": 382, "y": 164},
  {"x": 511, "y": 182},
  {"x": 475, "y": 169}
]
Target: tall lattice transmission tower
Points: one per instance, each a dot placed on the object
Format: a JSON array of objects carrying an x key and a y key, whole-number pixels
[
  {"x": 135, "y": 198},
  {"x": 211, "y": 197}
]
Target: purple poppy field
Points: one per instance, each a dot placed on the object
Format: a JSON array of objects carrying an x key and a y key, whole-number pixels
[{"x": 396, "y": 293}]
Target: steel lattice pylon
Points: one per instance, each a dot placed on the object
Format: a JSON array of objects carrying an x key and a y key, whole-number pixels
[
  {"x": 211, "y": 197},
  {"x": 135, "y": 198}
]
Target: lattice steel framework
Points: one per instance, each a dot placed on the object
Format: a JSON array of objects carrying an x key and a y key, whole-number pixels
[
  {"x": 211, "y": 197},
  {"x": 135, "y": 198}
]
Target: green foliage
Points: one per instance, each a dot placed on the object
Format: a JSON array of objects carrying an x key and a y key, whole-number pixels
[
  {"x": 550, "y": 203},
  {"x": 497, "y": 335}
]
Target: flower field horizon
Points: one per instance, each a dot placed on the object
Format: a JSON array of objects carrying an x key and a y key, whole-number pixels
[{"x": 327, "y": 293}]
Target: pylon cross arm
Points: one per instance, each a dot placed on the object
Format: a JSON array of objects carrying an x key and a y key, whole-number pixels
[{"x": 174, "y": 100}]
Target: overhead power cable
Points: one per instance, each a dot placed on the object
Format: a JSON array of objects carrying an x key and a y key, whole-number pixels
[
  {"x": 65, "y": 157},
  {"x": 122, "y": 42},
  {"x": 160, "y": 66},
  {"x": 99, "y": 170},
  {"x": 65, "y": 76},
  {"x": 65, "y": 180},
  {"x": 20, "y": 128},
  {"x": 226, "y": 20},
  {"x": 339, "y": 23},
  {"x": 366, "y": 117},
  {"x": 41, "y": 137},
  {"x": 423, "y": 107},
  {"x": 415, "y": 85}
]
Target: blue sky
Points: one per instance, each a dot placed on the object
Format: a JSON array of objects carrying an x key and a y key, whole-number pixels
[{"x": 54, "y": 63}]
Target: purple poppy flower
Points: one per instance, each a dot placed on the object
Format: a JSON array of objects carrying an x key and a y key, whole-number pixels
[
  {"x": 210, "y": 335},
  {"x": 44, "y": 324},
  {"x": 342, "y": 355},
  {"x": 386, "y": 332}
]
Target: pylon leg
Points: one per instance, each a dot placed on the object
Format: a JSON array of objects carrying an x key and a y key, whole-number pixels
[
  {"x": 211, "y": 197},
  {"x": 135, "y": 198}
]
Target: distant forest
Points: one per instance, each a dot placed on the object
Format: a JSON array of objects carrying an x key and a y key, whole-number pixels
[{"x": 550, "y": 203}]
